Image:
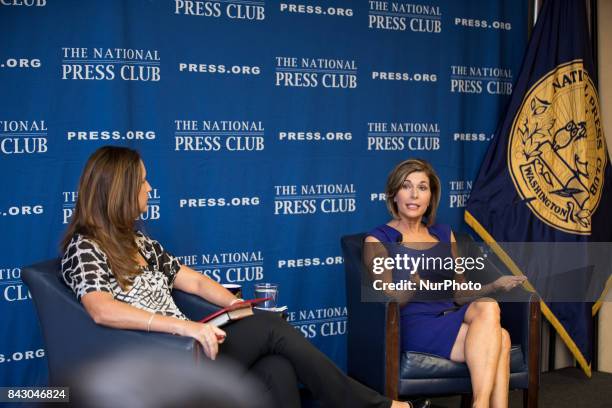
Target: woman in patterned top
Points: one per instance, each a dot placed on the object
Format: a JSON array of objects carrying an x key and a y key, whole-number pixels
[{"x": 124, "y": 280}]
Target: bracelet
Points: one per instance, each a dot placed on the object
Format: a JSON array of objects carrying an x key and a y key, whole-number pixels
[
  {"x": 236, "y": 301},
  {"x": 149, "y": 322}
]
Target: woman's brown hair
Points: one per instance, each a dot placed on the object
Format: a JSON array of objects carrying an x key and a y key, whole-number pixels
[
  {"x": 396, "y": 179},
  {"x": 107, "y": 208}
]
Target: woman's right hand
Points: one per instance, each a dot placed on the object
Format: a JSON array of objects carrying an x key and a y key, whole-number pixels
[
  {"x": 207, "y": 335},
  {"x": 508, "y": 282}
]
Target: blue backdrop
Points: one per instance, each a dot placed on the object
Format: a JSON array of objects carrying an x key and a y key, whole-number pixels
[{"x": 267, "y": 128}]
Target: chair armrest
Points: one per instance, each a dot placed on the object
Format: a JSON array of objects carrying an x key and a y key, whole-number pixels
[
  {"x": 522, "y": 320},
  {"x": 194, "y": 307},
  {"x": 373, "y": 345},
  {"x": 160, "y": 339}
]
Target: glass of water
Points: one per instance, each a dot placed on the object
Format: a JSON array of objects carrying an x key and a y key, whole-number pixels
[{"x": 267, "y": 290}]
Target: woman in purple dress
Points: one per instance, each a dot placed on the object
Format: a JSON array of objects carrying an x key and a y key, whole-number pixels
[{"x": 469, "y": 333}]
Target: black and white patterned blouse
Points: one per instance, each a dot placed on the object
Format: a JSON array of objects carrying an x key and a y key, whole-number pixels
[{"x": 85, "y": 269}]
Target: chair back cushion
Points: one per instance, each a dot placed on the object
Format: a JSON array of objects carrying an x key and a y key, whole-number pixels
[{"x": 366, "y": 322}]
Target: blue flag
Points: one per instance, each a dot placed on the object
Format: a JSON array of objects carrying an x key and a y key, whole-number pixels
[{"x": 546, "y": 176}]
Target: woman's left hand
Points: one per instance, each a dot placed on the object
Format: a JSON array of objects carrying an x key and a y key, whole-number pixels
[
  {"x": 508, "y": 282},
  {"x": 207, "y": 335}
]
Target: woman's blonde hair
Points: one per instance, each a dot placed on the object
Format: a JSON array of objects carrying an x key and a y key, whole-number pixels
[
  {"x": 398, "y": 176},
  {"x": 107, "y": 208}
]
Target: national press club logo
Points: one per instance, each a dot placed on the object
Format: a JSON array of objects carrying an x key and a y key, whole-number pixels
[
  {"x": 23, "y": 137},
  {"x": 23, "y": 3},
  {"x": 109, "y": 64},
  {"x": 308, "y": 72},
  {"x": 403, "y": 136},
  {"x": 308, "y": 199},
  {"x": 557, "y": 153},
  {"x": 12, "y": 287},
  {"x": 233, "y": 10},
  {"x": 228, "y": 266},
  {"x": 478, "y": 80},
  {"x": 459, "y": 193},
  {"x": 401, "y": 16},
  {"x": 319, "y": 322},
  {"x": 209, "y": 136}
]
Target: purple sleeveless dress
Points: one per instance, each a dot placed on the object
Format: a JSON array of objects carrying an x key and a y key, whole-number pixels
[{"x": 426, "y": 326}]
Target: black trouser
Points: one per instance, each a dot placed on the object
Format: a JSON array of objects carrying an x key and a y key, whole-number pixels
[{"x": 279, "y": 355}]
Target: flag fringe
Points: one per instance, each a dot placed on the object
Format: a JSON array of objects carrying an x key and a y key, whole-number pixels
[
  {"x": 505, "y": 258},
  {"x": 600, "y": 301}
]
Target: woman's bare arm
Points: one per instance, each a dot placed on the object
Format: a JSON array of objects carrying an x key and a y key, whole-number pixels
[{"x": 193, "y": 282}]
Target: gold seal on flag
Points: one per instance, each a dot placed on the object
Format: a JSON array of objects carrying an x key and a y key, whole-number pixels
[{"x": 557, "y": 151}]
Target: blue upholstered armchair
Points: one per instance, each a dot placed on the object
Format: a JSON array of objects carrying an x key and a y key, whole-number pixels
[
  {"x": 73, "y": 338},
  {"x": 373, "y": 348}
]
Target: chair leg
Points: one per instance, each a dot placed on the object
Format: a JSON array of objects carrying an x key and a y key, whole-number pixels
[
  {"x": 466, "y": 400},
  {"x": 530, "y": 397}
]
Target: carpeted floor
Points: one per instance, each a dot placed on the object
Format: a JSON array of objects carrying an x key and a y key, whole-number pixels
[{"x": 567, "y": 387}]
